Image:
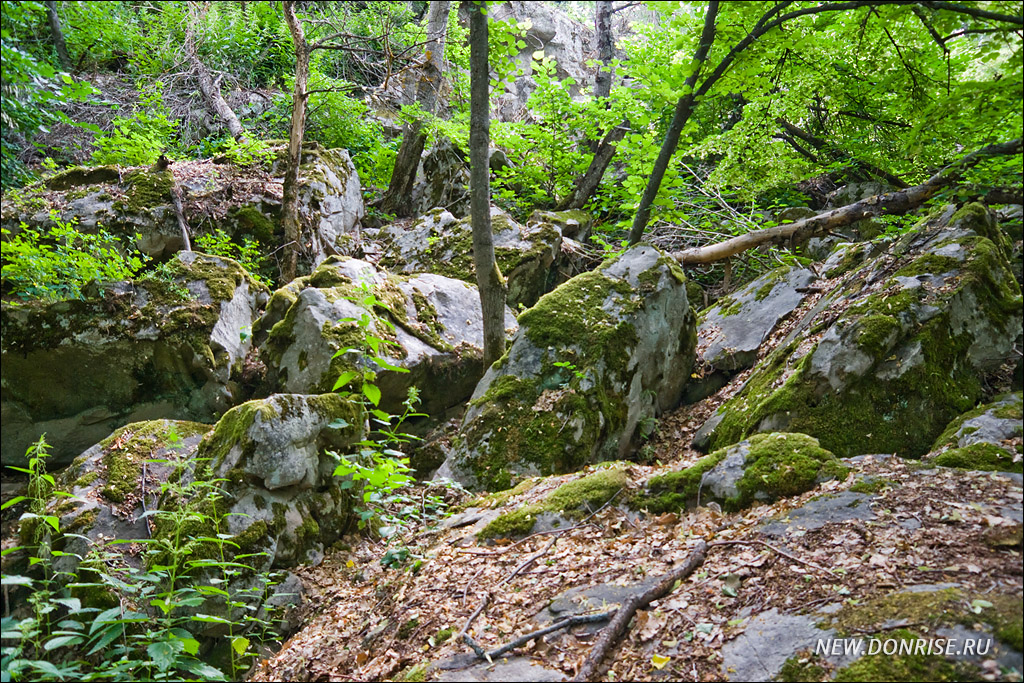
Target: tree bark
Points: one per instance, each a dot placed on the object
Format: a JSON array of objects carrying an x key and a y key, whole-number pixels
[
  {"x": 488, "y": 278},
  {"x": 591, "y": 179},
  {"x": 211, "y": 89},
  {"x": 605, "y": 48},
  {"x": 290, "y": 202},
  {"x": 684, "y": 107},
  {"x": 891, "y": 203},
  {"x": 398, "y": 198},
  {"x": 58, "y": 35}
]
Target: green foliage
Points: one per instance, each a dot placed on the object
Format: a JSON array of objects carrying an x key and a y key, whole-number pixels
[
  {"x": 249, "y": 253},
  {"x": 138, "y": 140},
  {"x": 151, "y": 630},
  {"x": 56, "y": 264}
]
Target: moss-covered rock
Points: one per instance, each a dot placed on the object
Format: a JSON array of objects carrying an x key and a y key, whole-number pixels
[
  {"x": 439, "y": 243},
  {"x": 572, "y": 499},
  {"x": 433, "y": 324},
  {"x": 594, "y": 362},
  {"x": 884, "y": 362},
  {"x": 989, "y": 437},
  {"x": 765, "y": 467},
  {"x": 168, "y": 347}
]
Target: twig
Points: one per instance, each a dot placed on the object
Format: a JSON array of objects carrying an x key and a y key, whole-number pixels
[
  {"x": 614, "y": 630},
  {"x": 527, "y": 562},
  {"x": 464, "y": 633},
  {"x": 780, "y": 552},
  {"x": 557, "y": 626}
]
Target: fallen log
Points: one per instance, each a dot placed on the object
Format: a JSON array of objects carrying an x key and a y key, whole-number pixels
[{"x": 898, "y": 202}]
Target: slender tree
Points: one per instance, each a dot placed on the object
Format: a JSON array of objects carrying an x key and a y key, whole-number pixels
[
  {"x": 58, "y": 35},
  {"x": 398, "y": 198},
  {"x": 290, "y": 201},
  {"x": 488, "y": 277}
]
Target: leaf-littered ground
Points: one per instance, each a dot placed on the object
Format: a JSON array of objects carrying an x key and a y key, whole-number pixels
[{"x": 367, "y": 622}]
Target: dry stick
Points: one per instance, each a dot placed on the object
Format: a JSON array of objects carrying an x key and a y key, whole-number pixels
[
  {"x": 557, "y": 626},
  {"x": 179, "y": 213},
  {"x": 779, "y": 551},
  {"x": 614, "y": 630},
  {"x": 464, "y": 633}
]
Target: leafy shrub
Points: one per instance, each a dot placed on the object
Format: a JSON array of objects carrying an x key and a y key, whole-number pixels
[
  {"x": 56, "y": 264},
  {"x": 249, "y": 253},
  {"x": 140, "y": 139}
]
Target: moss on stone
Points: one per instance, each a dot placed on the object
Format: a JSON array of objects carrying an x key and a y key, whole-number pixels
[
  {"x": 415, "y": 673},
  {"x": 783, "y": 465},
  {"x": 798, "y": 670},
  {"x": 145, "y": 189},
  {"x": 85, "y": 479},
  {"x": 82, "y": 523},
  {"x": 123, "y": 474},
  {"x": 929, "y": 264},
  {"x": 728, "y": 306},
  {"x": 77, "y": 176},
  {"x": 872, "y": 485},
  {"x": 905, "y": 667},
  {"x": 572, "y": 498},
  {"x": 955, "y": 429},
  {"x": 674, "y": 491},
  {"x": 254, "y": 223},
  {"x": 877, "y": 334},
  {"x": 979, "y": 456},
  {"x": 853, "y": 256}
]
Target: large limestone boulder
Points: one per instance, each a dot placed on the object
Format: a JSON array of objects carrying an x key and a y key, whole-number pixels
[
  {"x": 136, "y": 204},
  {"x": 898, "y": 348},
  {"x": 440, "y": 243},
  {"x": 171, "y": 347},
  {"x": 433, "y": 322},
  {"x": 592, "y": 366},
  {"x": 730, "y": 333}
]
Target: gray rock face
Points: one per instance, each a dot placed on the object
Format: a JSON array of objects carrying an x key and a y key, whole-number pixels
[
  {"x": 433, "y": 323},
  {"x": 244, "y": 202},
  {"x": 444, "y": 181},
  {"x": 440, "y": 243},
  {"x": 768, "y": 641},
  {"x": 730, "y": 333},
  {"x": 884, "y": 361},
  {"x": 594, "y": 362},
  {"x": 560, "y": 38},
  {"x": 157, "y": 348}
]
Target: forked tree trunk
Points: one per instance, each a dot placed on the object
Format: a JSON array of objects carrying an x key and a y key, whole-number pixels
[
  {"x": 290, "y": 202},
  {"x": 398, "y": 198},
  {"x": 488, "y": 278}
]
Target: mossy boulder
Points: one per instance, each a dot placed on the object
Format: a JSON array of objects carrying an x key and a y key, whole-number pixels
[
  {"x": 445, "y": 180},
  {"x": 765, "y": 467},
  {"x": 989, "y": 437},
  {"x": 884, "y": 361},
  {"x": 569, "y": 501},
  {"x": 433, "y": 324},
  {"x": 730, "y": 333},
  {"x": 169, "y": 347},
  {"x": 592, "y": 366},
  {"x": 439, "y": 243}
]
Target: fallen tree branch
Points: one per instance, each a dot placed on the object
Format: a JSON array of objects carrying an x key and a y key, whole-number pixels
[
  {"x": 898, "y": 202},
  {"x": 614, "y": 630},
  {"x": 568, "y": 622}
]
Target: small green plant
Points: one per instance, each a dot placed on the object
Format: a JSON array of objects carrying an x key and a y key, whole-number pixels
[
  {"x": 248, "y": 253},
  {"x": 149, "y": 632},
  {"x": 57, "y": 263},
  {"x": 249, "y": 153},
  {"x": 571, "y": 367},
  {"x": 138, "y": 140}
]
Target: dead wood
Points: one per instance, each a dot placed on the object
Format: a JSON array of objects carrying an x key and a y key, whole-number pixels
[{"x": 898, "y": 202}]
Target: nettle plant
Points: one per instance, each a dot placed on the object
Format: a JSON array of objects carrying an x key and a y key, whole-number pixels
[{"x": 108, "y": 619}]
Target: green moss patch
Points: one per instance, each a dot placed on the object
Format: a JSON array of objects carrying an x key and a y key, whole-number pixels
[
  {"x": 573, "y": 498},
  {"x": 905, "y": 667},
  {"x": 979, "y": 456}
]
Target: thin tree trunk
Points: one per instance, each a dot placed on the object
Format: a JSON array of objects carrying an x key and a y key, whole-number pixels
[
  {"x": 590, "y": 181},
  {"x": 605, "y": 48},
  {"x": 684, "y": 107},
  {"x": 211, "y": 88},
  {"x": 58, "y": 35},
  {"x": 398, "y": 198},
  {"x": 290, "y": 201},
  {"x": 891, "y": 203},
  {"x": 488, "y": 278}
]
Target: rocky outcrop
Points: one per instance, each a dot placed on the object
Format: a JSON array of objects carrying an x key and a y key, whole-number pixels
[
  {"x": 136, "y": 204},
  {"x": 989, "y": 437},
  {"x": 431, "y": 325},
  {"x": 168, "y": 346},
  {"x": 440, "y": 243},
  {"x": 592, "y": 366},
  {"x": 896, "y": 350},
  {"x": 765, "y": 467},
  {"x": 444, "y": 181},
  {"x": 731, "y": 332}
]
